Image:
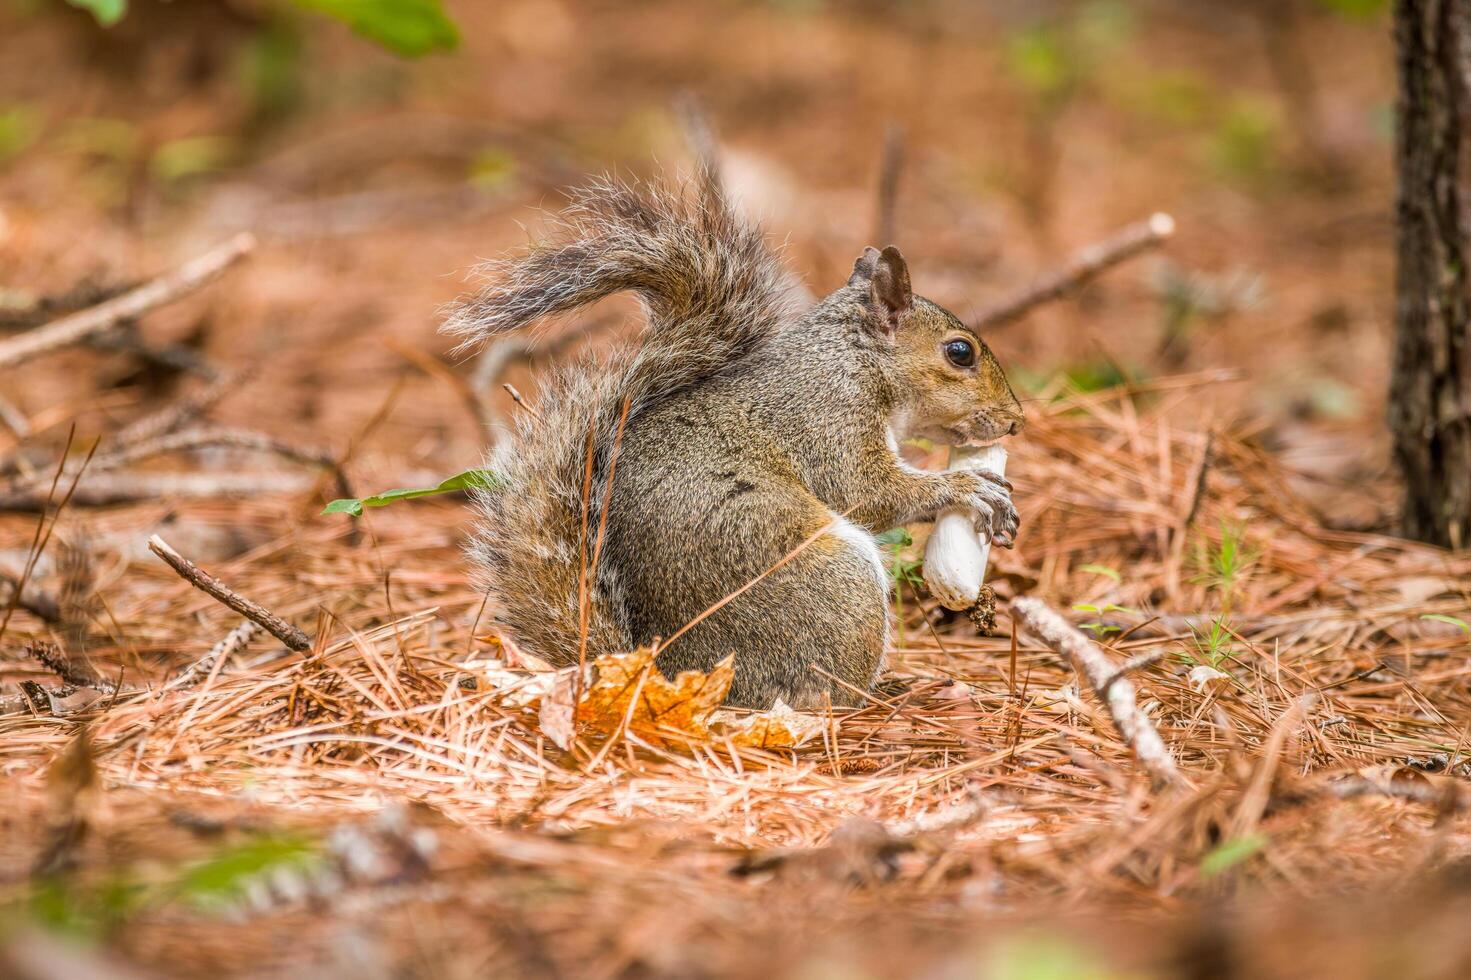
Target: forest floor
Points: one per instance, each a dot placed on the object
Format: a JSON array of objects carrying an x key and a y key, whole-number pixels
[{"x": 1204, "y": 482}]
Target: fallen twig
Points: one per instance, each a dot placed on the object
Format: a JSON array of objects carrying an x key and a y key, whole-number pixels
[
  {"x": 207, "y": 438},
  {"x": 164, "y": 289},
  {"x": 184, "y": 410},
  {"x": 510, "y": 349},
  {"x": 1079, "y": 270},
  {"x": 37, "y": 310},
  {"x": 49, "y": 655},
  {"x": 220, "y": 437},
  {"x": 34, "y": 601},
  {"x": 43, "y": 532},
  {"x": 14, "y": 419},
  {"x": 1130, "y": 666},
  {"x": 1116, "y": 692},
  {"x": 124, "y": 339},
  {"x": 232, "y": 643},
  {"x": 294, "y": 638},
  {"x": 127, "y": 488},
  {"x": 1446, "y": 796}
]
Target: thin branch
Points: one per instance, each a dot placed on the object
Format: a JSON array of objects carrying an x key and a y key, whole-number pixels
[
  {"x": 232, "y": 643},
  {"x": 182, "y": 411},
  {"x": 294, "y": 638},
  {"x": 221, "y": 437},
  {"x": 49, "y": 655},
  {"x": 511, "y": 349},
  {"x": 207, "y": 438},
  {"x": 520, "y": 400},
  {"x": 1082, "y": 268},
  {"x": 33, "y": 600},
  {"x": 1116, "y": 692},
  {"x": 43, "y": 531},
  {"x": 88, "y": 292},
  {"x": 125, "y": 339},
  {"x": 164, "y": 289},
  {"x": 14, "y": 419},
  {"x": 127, "y": 488},
  {"x": 440, "y": 371},
  {"x": 1132, "y": 665}
]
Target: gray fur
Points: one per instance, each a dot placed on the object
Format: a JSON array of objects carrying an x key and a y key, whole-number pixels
[{"x": 749, "y": 429}]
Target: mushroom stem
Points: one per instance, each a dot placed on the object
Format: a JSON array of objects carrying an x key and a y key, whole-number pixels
[{"x": 955, "y": 557}]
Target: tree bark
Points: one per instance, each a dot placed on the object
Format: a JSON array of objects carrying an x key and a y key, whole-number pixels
[{"x": 1430, "y": 393}]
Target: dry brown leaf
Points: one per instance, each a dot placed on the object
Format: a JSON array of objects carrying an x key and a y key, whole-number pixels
[
  {"x": 1419, "y": 588},
  {"x": 556, "y": 715},
  {"x": 1205, "y": 678},
  {"x": 514, "y": 688},
  {"x": 781, "y": 727},
  {"x": 629, "y": 690}
]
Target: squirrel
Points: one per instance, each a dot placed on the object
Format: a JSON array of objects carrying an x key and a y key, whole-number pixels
[{"x": 736, "y": 461}]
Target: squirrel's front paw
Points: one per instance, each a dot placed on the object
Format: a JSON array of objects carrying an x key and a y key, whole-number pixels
[{"x": 989, "y": 497}]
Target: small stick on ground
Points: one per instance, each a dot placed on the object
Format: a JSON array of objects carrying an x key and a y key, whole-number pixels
[
  {"x": 1117, "y": 693},
  {"x": 216, "y": 436},
  {"x": 232, "y": 643},
  {"x": 165, "y": 289},
  {"x": 206, "y": 438},
  {"x": 294, "y": 638},
  {"x": 88, "y": 292},
  {"x": 520, "y": 399},
  {"x": 1130, "y": 666},
  {"x": 125, "y": 339},
  {"x": 49, "y": 655},
  {"x": 128, "y": 488},
  {"x": 1081, "y": 269},
  {"x": 185, "y": 410},
  {"x": 14, "y": 419},
  {"x": 504, "y": 351},
  {"x": 40, "y": 604}
]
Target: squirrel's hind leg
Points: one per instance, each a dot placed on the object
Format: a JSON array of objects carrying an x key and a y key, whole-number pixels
[{"x": 828, "y": 609}]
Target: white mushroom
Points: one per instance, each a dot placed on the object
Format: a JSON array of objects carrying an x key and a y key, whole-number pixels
[{"x": 955, "y": 557}]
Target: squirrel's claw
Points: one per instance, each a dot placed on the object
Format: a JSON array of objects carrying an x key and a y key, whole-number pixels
[{"x": 1000, "y": 481}]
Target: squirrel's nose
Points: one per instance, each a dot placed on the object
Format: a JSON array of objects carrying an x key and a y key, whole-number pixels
[{"x": 1016, "y": 425}]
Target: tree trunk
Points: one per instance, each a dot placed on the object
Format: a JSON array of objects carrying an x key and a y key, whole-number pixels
[{"x": 1430, "y": 394}]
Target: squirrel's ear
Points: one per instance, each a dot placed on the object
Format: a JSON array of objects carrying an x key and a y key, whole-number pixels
[
  {"x": 863, "y": 268},
  {"x": 890, "y": 284}
]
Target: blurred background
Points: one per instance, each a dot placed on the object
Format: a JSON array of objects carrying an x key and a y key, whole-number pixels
[{"x": 380, "y": 149}]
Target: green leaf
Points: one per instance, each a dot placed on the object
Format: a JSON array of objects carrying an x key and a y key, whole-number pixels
[
  {"x": 1035, "y": 58},
  {"x": 107, "y": 12},
  {"x": 220, "y": 880},
  {"x": 410, "y": 28},
  {"x": 468, "y": 480},
  {"x": 18, "y": 129},
  {"x": 1361, "y": 9},
  {"x": 1103, "y": 570},
  {"x": 1460, "y": 624},
  {"x": 1228, "y": 854},
  {"x": 493, "y": 169},
  {"x": 894, "y": 538},
  {"x": 1107, "y": 607},
  {"x": 189, "y": 157}
]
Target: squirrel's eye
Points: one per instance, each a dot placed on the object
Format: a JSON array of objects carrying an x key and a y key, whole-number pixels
[{"x": 961, "y": 353}]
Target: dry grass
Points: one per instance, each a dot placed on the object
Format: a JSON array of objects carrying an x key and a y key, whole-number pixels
[{"x": 982, "y": 785}]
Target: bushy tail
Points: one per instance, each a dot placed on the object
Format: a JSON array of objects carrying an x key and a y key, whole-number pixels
[{"x": 714, "y": 292}]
